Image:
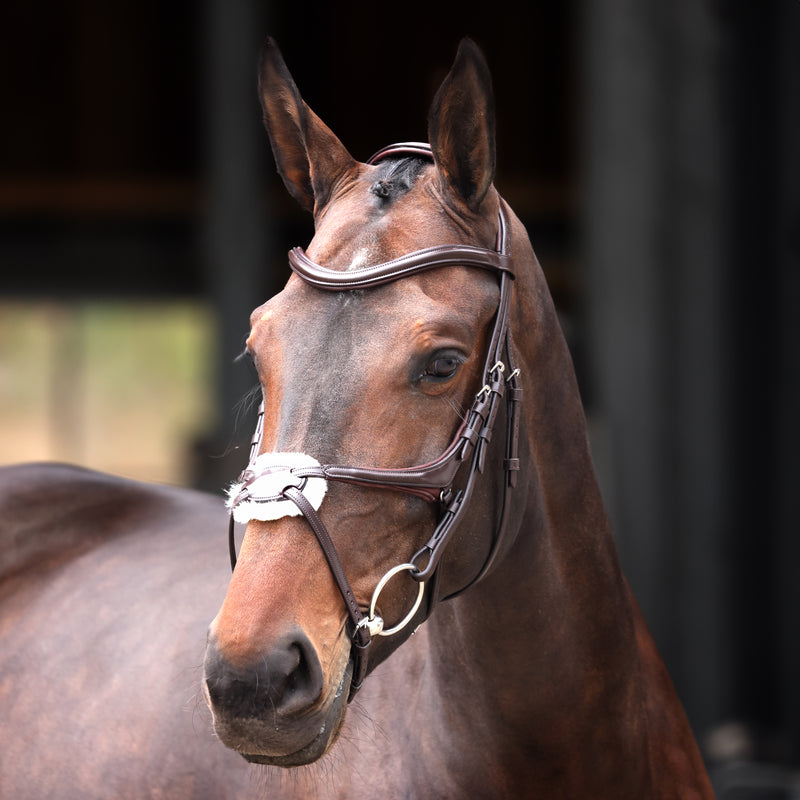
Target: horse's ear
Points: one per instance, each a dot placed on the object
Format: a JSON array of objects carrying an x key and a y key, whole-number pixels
[
  {"x": 461, "y": 127},
  {"x": 309, "y": 156}
]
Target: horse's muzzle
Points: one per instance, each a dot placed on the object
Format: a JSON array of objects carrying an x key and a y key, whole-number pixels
[{"x": 275, "y": 710}]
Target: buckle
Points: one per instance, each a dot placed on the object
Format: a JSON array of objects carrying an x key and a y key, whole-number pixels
[{"x": 486, "y": 390}]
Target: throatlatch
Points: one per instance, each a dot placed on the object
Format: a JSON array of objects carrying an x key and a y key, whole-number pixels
[{"x": 276, "y": 484}]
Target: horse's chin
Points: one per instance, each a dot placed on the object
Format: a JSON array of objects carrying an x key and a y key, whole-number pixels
[{"x": 322, "y": 742}]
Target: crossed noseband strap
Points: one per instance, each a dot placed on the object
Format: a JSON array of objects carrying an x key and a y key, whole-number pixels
[{"x": 276, "y": 484}]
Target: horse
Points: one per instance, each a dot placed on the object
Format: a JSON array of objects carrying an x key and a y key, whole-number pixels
[
  {"x": 426, "y": 601},
  {"x": 106, "y": 588}
]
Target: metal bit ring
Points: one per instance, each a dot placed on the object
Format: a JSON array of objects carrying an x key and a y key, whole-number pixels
[{"x": 379, "y": 588}]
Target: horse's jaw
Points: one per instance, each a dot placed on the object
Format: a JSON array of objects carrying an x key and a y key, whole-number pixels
[{"x": 267, "y": 740}]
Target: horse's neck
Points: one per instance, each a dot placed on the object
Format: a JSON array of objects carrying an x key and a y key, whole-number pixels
[
  {"x": 541, "y": 680},
  {"x": 538, "y": 651}
]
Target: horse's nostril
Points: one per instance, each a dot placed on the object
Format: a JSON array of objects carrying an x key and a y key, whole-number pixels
[
  {"x": 285, "y": 680},
  {"x": 303, "y": 680}
]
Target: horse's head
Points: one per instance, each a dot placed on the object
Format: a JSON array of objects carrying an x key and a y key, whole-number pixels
[{"x": 379, "y": 377}]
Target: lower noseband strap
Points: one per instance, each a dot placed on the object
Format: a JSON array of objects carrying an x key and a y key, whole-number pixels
[{"x": 360, "y": 634}]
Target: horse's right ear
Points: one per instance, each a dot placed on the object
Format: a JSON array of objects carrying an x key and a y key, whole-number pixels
[{"x": 308, "y": 155}]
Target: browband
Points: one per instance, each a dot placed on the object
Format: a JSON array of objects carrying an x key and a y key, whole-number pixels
[{"x": 429, "y": 258}]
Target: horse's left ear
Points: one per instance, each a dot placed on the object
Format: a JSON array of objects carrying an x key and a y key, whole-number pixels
[{"x": 461, "y": 127}]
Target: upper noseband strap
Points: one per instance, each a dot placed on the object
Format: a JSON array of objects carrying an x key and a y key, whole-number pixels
[{"x": 425, "y": 481}]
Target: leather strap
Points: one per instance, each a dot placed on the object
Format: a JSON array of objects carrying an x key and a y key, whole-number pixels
[
  {"x": 419, "y": 149},
  {"x": 359, "y": 634},
  {"x": 418, "y": 261}
]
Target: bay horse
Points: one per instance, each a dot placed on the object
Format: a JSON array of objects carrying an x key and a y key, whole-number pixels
[{"x": 426, "y": 601}]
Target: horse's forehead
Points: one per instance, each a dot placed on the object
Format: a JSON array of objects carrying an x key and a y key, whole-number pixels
[
  {"x": 442, "y": 295},
  {"x": 360, "y": 229}
]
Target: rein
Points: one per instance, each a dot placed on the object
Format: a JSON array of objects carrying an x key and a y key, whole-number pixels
[{"x": 433, "y": 481}]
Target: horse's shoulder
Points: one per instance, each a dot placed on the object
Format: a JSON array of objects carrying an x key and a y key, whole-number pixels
[{"x": 107, "y": 586}]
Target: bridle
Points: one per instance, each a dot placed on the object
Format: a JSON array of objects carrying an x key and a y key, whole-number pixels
[{"x": 433, "y": 481}]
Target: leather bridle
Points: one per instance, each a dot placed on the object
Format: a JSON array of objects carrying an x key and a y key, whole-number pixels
[{"x": 433, "y": 481}]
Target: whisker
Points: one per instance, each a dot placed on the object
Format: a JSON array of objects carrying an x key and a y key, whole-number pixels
[{"x": 454, "y": 405}]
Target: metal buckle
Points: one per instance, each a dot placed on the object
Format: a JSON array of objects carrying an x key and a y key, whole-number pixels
[
  {"x": 373, "y": 624},
  {"x": 486, "y": 390}
]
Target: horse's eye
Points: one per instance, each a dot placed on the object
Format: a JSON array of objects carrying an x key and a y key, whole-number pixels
[{"x": 443, "y": 367}]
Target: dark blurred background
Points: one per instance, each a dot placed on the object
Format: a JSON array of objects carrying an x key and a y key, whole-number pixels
[{"x": 650, "y": 148}]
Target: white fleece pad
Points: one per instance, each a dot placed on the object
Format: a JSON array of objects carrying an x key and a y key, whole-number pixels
[{"x": 264, "y": 501}]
